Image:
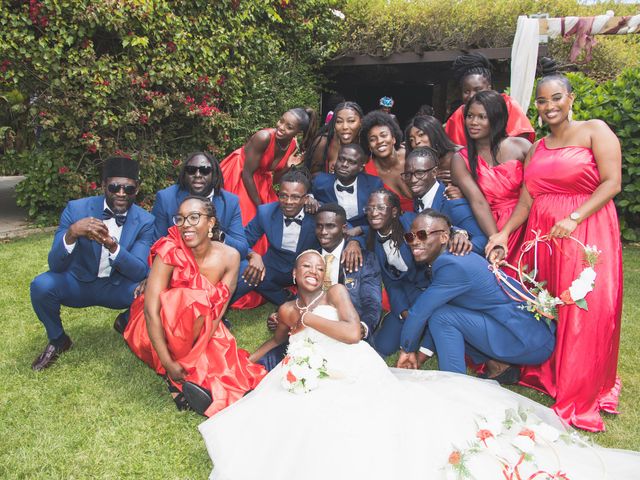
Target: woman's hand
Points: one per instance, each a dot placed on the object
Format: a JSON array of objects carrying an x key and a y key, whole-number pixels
[
  {"x": 497, "y": 241},
  {"x": 563, "y": 228},
  {"x": 444, "y": 176},
  {"x": 452, "y": 192},
  {"x": 176, "y": 372},
  {"x": 407, "y": 360}
]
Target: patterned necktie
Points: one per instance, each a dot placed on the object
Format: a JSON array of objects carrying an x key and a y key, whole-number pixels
[
  {"x": 328, "y": 260},
  {"x": 341, "y": 188},
  {"x": 108, "y": 214}
]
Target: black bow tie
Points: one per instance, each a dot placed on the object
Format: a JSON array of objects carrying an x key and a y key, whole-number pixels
[
  {"x": 342, "y": 188},
  {"x": 120, "y": 217},
  {"x": 289, "y": 221},
  {"x": 419, "y": 205},
  {"x": 382, "y": 239}
]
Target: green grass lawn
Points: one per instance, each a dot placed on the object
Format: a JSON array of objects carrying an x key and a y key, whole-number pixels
[{"x": 101, "y": 413}]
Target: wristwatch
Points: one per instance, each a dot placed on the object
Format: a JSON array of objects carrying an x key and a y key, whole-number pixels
[{"x": 575, "y": 216}]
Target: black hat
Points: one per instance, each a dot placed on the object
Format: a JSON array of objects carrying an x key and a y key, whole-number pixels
[{"x": 121, "y": 167}]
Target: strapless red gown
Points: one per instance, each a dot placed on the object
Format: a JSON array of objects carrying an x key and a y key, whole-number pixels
[
  {"x": 214, "y": 361},
  {"x": 231, "y": 168},
  {"x": 581, "y": 373},
  {"x": 501, "y": 187},
  {"x": 406, "y": 203},
  {"x": 517, "y": 123}
]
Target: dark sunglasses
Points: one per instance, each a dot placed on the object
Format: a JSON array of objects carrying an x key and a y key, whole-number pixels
[
  {"x": 116, "y": 187},
  {"x": 421, "y": 235},
  {"x": 192, "y": 169}
]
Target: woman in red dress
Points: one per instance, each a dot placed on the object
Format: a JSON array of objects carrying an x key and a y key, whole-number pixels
[
  {"x": 175, "y": 325},
  {"x": 473, "y": 72},
  {"x": 251, "y": 171},
  {"x": 383, "y": 137},
  {"x": 570, "y": 179},
  {"x": 489, "y": 170}
]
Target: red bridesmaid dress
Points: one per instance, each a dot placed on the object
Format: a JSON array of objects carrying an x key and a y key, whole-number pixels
[
  {"x": 231, "y": 168},
  {"x": 517, "y": 123},
  {"x": 581, "y": 373},
  {"x": 501, "y": 186},
  {"x": 214, "y": 361}
]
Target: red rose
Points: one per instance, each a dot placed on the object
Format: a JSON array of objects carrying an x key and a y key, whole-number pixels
[
  {"x": 286, "y": 359},
  {"x": 566, "y": 297},
  {"x": 484, "y": 434},
  {"x": 92, "y": 148},
  {"x": 525, "y": 432},
  {"x": 291, "y": 378},
  {"x": 93, "y": 185},
  {"x": 454, "y": 458},
  {"x": 63, "y": 170},
  {"x": 176, "y": 162},
  {"x": 143, "y": 119}
]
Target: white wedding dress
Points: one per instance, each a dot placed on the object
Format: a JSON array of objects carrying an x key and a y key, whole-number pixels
[{"x": 368, "y": 421}]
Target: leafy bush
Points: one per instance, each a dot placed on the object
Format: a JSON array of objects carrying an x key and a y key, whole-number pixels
[
  {"x": 615, "y": 102},
  {"x": 152, "y": 79}
]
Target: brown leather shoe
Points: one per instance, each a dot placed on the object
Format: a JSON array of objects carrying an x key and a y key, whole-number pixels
[
  {"x": 49, "y": 356},
  {"x": 121, "y": 323}
]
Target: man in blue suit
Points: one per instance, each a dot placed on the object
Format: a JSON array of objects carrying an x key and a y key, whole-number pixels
[
  {"x": 289, "y": 231},
  {"x": 467, "y": 311},
  {"x": 99, "y": 255},
  {"x": 350, "y": 187},
  {"x": 420, "y": 170},
  {"x": 200, "y": 175}
]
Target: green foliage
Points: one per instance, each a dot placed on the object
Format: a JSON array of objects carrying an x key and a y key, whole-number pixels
[
  {"x": 382, "y": 27},
  {"x": 154, "y": 79},
  {"x": 615, "y": 102}
]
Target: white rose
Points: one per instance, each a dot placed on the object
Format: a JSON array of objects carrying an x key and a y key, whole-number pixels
[
  {"x": 299, "y": 371},
  {"x": 523, "y": 443},
  {"x": 579, "y": 289},
  {"x": 311, "y": 383},
  {"x": 588, "y": 275},
  {"x": 546, "y": 432},
  {"x": 316, "y": 361}
]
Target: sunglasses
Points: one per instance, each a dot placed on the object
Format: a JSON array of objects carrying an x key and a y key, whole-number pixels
[
  {"x": 421, "y": 235},
  {"x": 192, "y": 169},
  {"x": 116, "y": 187}
]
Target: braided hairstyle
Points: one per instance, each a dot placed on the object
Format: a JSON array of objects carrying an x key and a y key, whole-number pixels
[
  {"x": 329, "y": 132},
  {"x": 397, "y": 231},
  {"x": 438, "y": 138},
  {"x": 210, "y": 209},
  {"x": 549, "y": 70},
  {"x": 497, "y": 114},
  {"x": 218, "y": 180},
  {"x": 471, "y": 64}
]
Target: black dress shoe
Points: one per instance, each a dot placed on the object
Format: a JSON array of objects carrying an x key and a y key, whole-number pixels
[
  {"x": 198, "y": 398},
  {"x": 510, "y": 376},
  {"x": 50, "y": 354},
  {"x": 121, "y": 322}
]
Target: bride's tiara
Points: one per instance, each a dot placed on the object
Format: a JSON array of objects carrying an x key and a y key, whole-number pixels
[{"x": 310, "y": 251}]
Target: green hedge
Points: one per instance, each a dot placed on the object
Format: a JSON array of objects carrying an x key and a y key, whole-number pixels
[
  {"x": 616, "y": 102},
  {"x": 153, "y": 79}
]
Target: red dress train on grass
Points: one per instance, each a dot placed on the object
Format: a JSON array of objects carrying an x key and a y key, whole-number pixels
[
  {"x": 517, "y": 123},
  {"x": 214, "y": 360},
  {"x": 501, "y": 187},
  {"x": 581, "y": 373},
  {"x": 231, "y": 168}
]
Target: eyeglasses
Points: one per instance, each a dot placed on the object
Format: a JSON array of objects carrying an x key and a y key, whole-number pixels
[
  {"x": 294, "y": 198},
  {"x": 419, "y": 174},
  {"x": 421, "y": 235},
  {"x": 374, "y": 208},
  {"x": 192, "y": 219},
  {"x": 555, "y": 99},
  {"x": 116, "y": 187},
  {"x": 192, "y": 169}
]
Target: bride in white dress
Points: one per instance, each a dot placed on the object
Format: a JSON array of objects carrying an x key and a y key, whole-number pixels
[{"x": 369, "y": 421}]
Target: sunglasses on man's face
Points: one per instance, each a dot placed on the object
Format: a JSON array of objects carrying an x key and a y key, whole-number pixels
[
  {"x": 192, "y": 169},
  {"x": 116, "y": 187},
  {"x": 421, "y": 235}
]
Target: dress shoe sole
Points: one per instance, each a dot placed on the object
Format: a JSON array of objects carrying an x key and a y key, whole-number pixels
[{"x": 198, "y": 398}]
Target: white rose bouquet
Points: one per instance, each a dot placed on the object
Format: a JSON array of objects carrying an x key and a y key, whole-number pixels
[{"x": 303, "y": 367}]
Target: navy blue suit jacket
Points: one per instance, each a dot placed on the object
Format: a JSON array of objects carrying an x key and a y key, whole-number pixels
[
  {"x": 461, "y": 216},
  {"x": 467, "y": 282},
  {"x": 324, "y": 192},
  {"x": 227, "y": 212},
  {"x": 83, "y": 262},
  {"x": 269, "y": 221},
  {"x": 403, "y": 288}
]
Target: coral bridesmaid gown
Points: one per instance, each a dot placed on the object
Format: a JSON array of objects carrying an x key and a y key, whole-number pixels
[
  {"x": 214, "y": 360},
  {"x": 501, "y": 187},
  {"x": 231, "y": 168},
  {"x": 581, "y": 373},
  {"x": 517, "y": 123}
]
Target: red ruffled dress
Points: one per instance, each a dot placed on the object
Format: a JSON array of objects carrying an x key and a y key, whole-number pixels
[
  {"x": 581, "y": 373},
  {"x": 501, "y": 187},
  {"x": 517, "y": 123},
  {"x": 214, "y": 361},
  {"x": 231, "y": 168}
]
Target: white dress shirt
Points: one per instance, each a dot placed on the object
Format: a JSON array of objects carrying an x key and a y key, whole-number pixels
[
  {"x": 106, "y": 257},
  {"x": 348, "y": 201},
  {"x": 291, "y": 234},
  {"x": 427, "y": 198},
  {"x": 394, "y": 258}
]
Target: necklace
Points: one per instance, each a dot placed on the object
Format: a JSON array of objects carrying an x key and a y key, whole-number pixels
[
  {"x": 280, "y": 147},
  {"x": 303, "y": 311}
]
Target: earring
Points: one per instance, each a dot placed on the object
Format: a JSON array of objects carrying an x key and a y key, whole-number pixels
[
  {"x": 210, "y": 234},
  {"x": 540, "y": 124},
  {"x": 294, "y": 280},
  {"x": 570, "y": 116}
]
